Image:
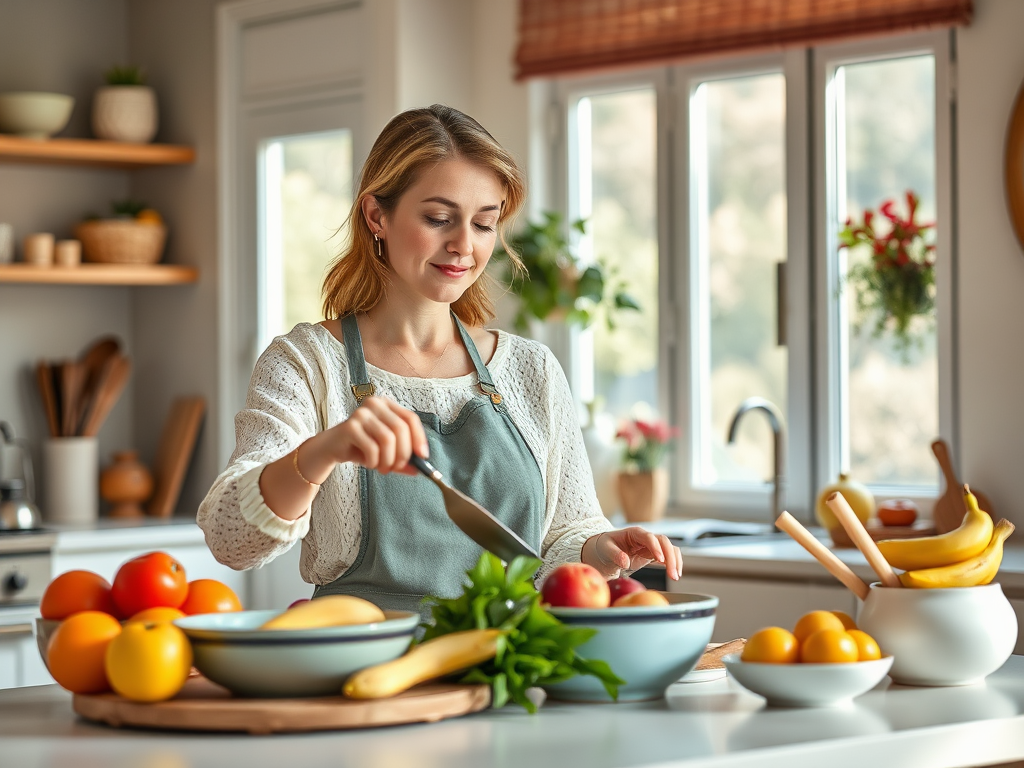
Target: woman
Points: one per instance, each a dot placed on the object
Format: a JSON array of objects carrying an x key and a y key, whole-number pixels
[{"x": 405, "y": 365}]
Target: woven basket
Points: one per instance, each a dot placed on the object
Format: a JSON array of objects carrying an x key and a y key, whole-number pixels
[{"x": 121, "y": 241}]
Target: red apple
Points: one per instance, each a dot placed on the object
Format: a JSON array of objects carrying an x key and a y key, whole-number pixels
[
  {"x": 624, "y": 586},
  {"x": 576, "y": 585}
]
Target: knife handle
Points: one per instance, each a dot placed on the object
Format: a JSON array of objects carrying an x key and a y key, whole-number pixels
[{"x": 424, "y": 466}]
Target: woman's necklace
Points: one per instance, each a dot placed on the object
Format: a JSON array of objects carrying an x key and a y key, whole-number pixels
[{"x": 413, "y": 367}]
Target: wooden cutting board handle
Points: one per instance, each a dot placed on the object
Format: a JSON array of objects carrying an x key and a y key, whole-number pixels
[{"x": 950, "y": 507}]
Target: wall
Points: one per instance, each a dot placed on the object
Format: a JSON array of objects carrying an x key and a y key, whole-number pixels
[
  {"x": 991, "y": 261},
  {"x": 61, "y": 46}
]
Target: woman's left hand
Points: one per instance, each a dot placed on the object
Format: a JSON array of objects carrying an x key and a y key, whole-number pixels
[{"x": 631, "y": 549}]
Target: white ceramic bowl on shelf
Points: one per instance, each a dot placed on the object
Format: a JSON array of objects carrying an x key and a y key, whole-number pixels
[
  {"x": 34, "y": 115},
  {"x": 807, "y": 685}
]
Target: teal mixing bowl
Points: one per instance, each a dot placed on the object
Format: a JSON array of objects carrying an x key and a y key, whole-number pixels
[
  {"x": 231, "y": 650},
  {"x": 650, "y": 647}
]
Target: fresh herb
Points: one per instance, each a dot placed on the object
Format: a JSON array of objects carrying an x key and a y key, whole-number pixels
[{"x": 536, "y": 650}]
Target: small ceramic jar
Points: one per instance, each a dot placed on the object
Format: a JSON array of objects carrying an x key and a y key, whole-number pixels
[
  {"x": 953, "y": 636},
  {"x": 125, "y": 484}
]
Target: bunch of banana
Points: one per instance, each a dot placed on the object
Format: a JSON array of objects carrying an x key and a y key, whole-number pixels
[{"x": 964, "y": 557}]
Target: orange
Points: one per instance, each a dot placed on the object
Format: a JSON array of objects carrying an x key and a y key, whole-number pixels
[
  {"x": 829, "y": 646},
  {"x": 771, "y": 645},
  {"x": 848, "y": 622},
  {"x": 210, "y": 596},
  {"x": 646, "y": 597},
  {"x": 159, "y": 615},
  {"x": 77, "y": 649},
  {"x": 814, "y": 621},
  {"x": 867, "y": 648},
  {"x": 75, "y": 591},
  {"x": 148, "y": 661},
  {"x": 149, "y": 216}
]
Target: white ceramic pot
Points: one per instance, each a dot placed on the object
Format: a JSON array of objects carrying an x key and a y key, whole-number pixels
[
  {"x": 125, "y": 113},
  {"x": 952, "y": 636},
  {"x": 71, "y": 480}
]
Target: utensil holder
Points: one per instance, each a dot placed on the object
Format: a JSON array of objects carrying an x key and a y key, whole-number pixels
[{"x": 71, "y": 480}]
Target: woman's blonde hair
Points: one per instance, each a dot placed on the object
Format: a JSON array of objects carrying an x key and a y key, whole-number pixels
[{"x": 412, "y": 141}]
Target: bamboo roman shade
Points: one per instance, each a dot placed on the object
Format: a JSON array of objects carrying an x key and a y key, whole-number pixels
[{"x": 564, "y": 36}]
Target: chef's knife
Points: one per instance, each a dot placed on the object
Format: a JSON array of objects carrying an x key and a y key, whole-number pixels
[{"x": 475, "y": 521}]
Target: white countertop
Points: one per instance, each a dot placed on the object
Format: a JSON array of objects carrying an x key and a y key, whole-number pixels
[{"x": 700, "y": 725}]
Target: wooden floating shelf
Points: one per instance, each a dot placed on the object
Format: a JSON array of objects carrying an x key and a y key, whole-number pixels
[
  {"x": 91, "y": 152},
  {"x": 100, "y": 274}
]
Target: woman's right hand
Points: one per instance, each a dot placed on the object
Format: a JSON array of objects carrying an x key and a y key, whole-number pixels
[{"x": 380, "y": 434}]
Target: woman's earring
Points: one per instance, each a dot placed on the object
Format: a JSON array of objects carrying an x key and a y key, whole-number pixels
[{"x": 380, "y": 248}]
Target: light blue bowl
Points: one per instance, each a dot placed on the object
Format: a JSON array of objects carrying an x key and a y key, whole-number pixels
[
  {"x": 231, "y": 650},
  {"x": 650, "y": 647}
]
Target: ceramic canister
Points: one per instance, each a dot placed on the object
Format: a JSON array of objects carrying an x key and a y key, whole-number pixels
[{"x": 954, "y": 636}]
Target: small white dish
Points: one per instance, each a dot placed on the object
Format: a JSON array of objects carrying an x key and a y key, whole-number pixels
[
  {"x": 807, "y": 685},
  {"x": 703, "y": 675}
]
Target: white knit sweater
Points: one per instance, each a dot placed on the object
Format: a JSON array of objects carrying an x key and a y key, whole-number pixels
[{"x": 301, "y": 386}]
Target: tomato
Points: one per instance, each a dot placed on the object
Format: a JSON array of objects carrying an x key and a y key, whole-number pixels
[
  {"x": 210, "y": 596},
  {"x": 75, "y": 591},
  {"x": 829, "y": 646},
  {"x": 149, "y": 581},
  {"x": 157, "y": 615},
  {"x": 77, "y": 650},
  {"x": 771, "y": 645},
  {"x": 897, "y": 512},
  {"x": 148, "y": 661}
]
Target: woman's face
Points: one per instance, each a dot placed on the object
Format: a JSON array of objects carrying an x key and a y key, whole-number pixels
[{"x": 441, "y": 233}]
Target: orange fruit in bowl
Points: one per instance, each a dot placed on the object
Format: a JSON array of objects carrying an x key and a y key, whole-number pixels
[
  {"x": 77, "y": 651},
  {"x": 210, "y": 596},
  {"x": 829, "y": 646},
  {"x": 75, "y": 591},
  {"x": 816, "y": 621},
  {"x": 158, "y": 615},
  {"x": 771, "y": 645},
  {"x": 848, "y": 622},
  {"x": 867, "y": 648},
  {"x": 647, "y": 597}
]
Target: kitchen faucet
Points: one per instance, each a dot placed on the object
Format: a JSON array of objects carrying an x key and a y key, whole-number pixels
[{"x": 775, "y": 421}]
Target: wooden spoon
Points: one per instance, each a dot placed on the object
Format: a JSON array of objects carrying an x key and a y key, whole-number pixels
[
  {"x": 823, "y": 555},
  {"x": 950, "y": 507},
  {"x": 71, "y": 379},
  {"x": 44, "y": 378},
  {"x": 92, "y": 360},
  {"x": 863, "y": 541},
  {"x": 112, "y": 382}
]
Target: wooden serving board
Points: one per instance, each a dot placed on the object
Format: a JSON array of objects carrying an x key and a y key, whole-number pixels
[
  {"x": 841, "y": 539},
  {"x": 205, "y": 706}
]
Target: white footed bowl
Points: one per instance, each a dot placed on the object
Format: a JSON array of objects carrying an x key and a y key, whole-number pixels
[
  {"x": 953, "y": 636},
  {"x": 34, "y": 115}
]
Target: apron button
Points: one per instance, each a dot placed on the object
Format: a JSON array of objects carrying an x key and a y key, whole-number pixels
[{"x": 495, "y": 398}]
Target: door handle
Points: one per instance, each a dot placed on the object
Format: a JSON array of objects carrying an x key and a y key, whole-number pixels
[{"x": 16, "y": 629}]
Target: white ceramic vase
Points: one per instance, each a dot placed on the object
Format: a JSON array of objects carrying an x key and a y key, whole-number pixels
[
  {"x": 71, "y": 480},
  {"x": 604, "y": 455},
  {"x": 938, "y": 637},
  {"x": 125, "y": 113}
]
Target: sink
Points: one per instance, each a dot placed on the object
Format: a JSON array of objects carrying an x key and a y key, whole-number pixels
[{"x": 707, "y": 531}]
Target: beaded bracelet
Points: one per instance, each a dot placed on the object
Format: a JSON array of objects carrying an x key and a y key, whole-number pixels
[{"x": 295, "y": 463}]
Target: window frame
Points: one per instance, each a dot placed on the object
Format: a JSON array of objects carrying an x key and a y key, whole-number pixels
[{"x": 811, "y": 443}]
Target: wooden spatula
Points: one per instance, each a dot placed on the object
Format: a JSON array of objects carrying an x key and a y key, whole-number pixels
[
  {"x": 950, "y": 507},
  {"x": 112, "y": 382},
  {"x": 44, "y": 378}
]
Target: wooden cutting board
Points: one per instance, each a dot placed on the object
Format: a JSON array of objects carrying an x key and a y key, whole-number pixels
[
  {"x": 950, "y": 507},
  {"x": 177, "y": 442},
  {"x": 205, "y": 706}
]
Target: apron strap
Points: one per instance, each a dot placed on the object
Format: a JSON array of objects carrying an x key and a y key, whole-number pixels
[
  {"x": 363, "y": 387},
  {"x": 484, "y": 376}
]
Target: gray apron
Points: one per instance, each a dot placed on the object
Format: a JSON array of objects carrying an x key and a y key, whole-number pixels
[{"x": 409, "y": 547}]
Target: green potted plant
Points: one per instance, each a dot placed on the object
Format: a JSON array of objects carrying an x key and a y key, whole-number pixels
[
  {"x": 897, "y": 283},
  {"x": 552, "y": 283},
  {"x": 125, "y": 108}
]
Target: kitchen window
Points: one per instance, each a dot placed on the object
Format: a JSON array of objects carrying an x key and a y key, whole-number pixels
[{"x": 752, "y": 165}]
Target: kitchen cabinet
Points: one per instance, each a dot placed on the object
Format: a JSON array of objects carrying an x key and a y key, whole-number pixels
[
  {"x": 20, "y": 662},
  {"x": 746, "y": 605}
]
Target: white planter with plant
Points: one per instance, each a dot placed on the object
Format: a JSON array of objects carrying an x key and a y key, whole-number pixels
[{"x": 125, "y": 109}]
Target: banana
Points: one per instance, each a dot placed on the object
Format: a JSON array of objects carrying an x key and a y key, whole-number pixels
[
  {"x": 960, "y": 544},
  {"x": 435, "y": 658},
  {"x": 980, "y": 569},
  {"x": 328, "y": 611}
]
